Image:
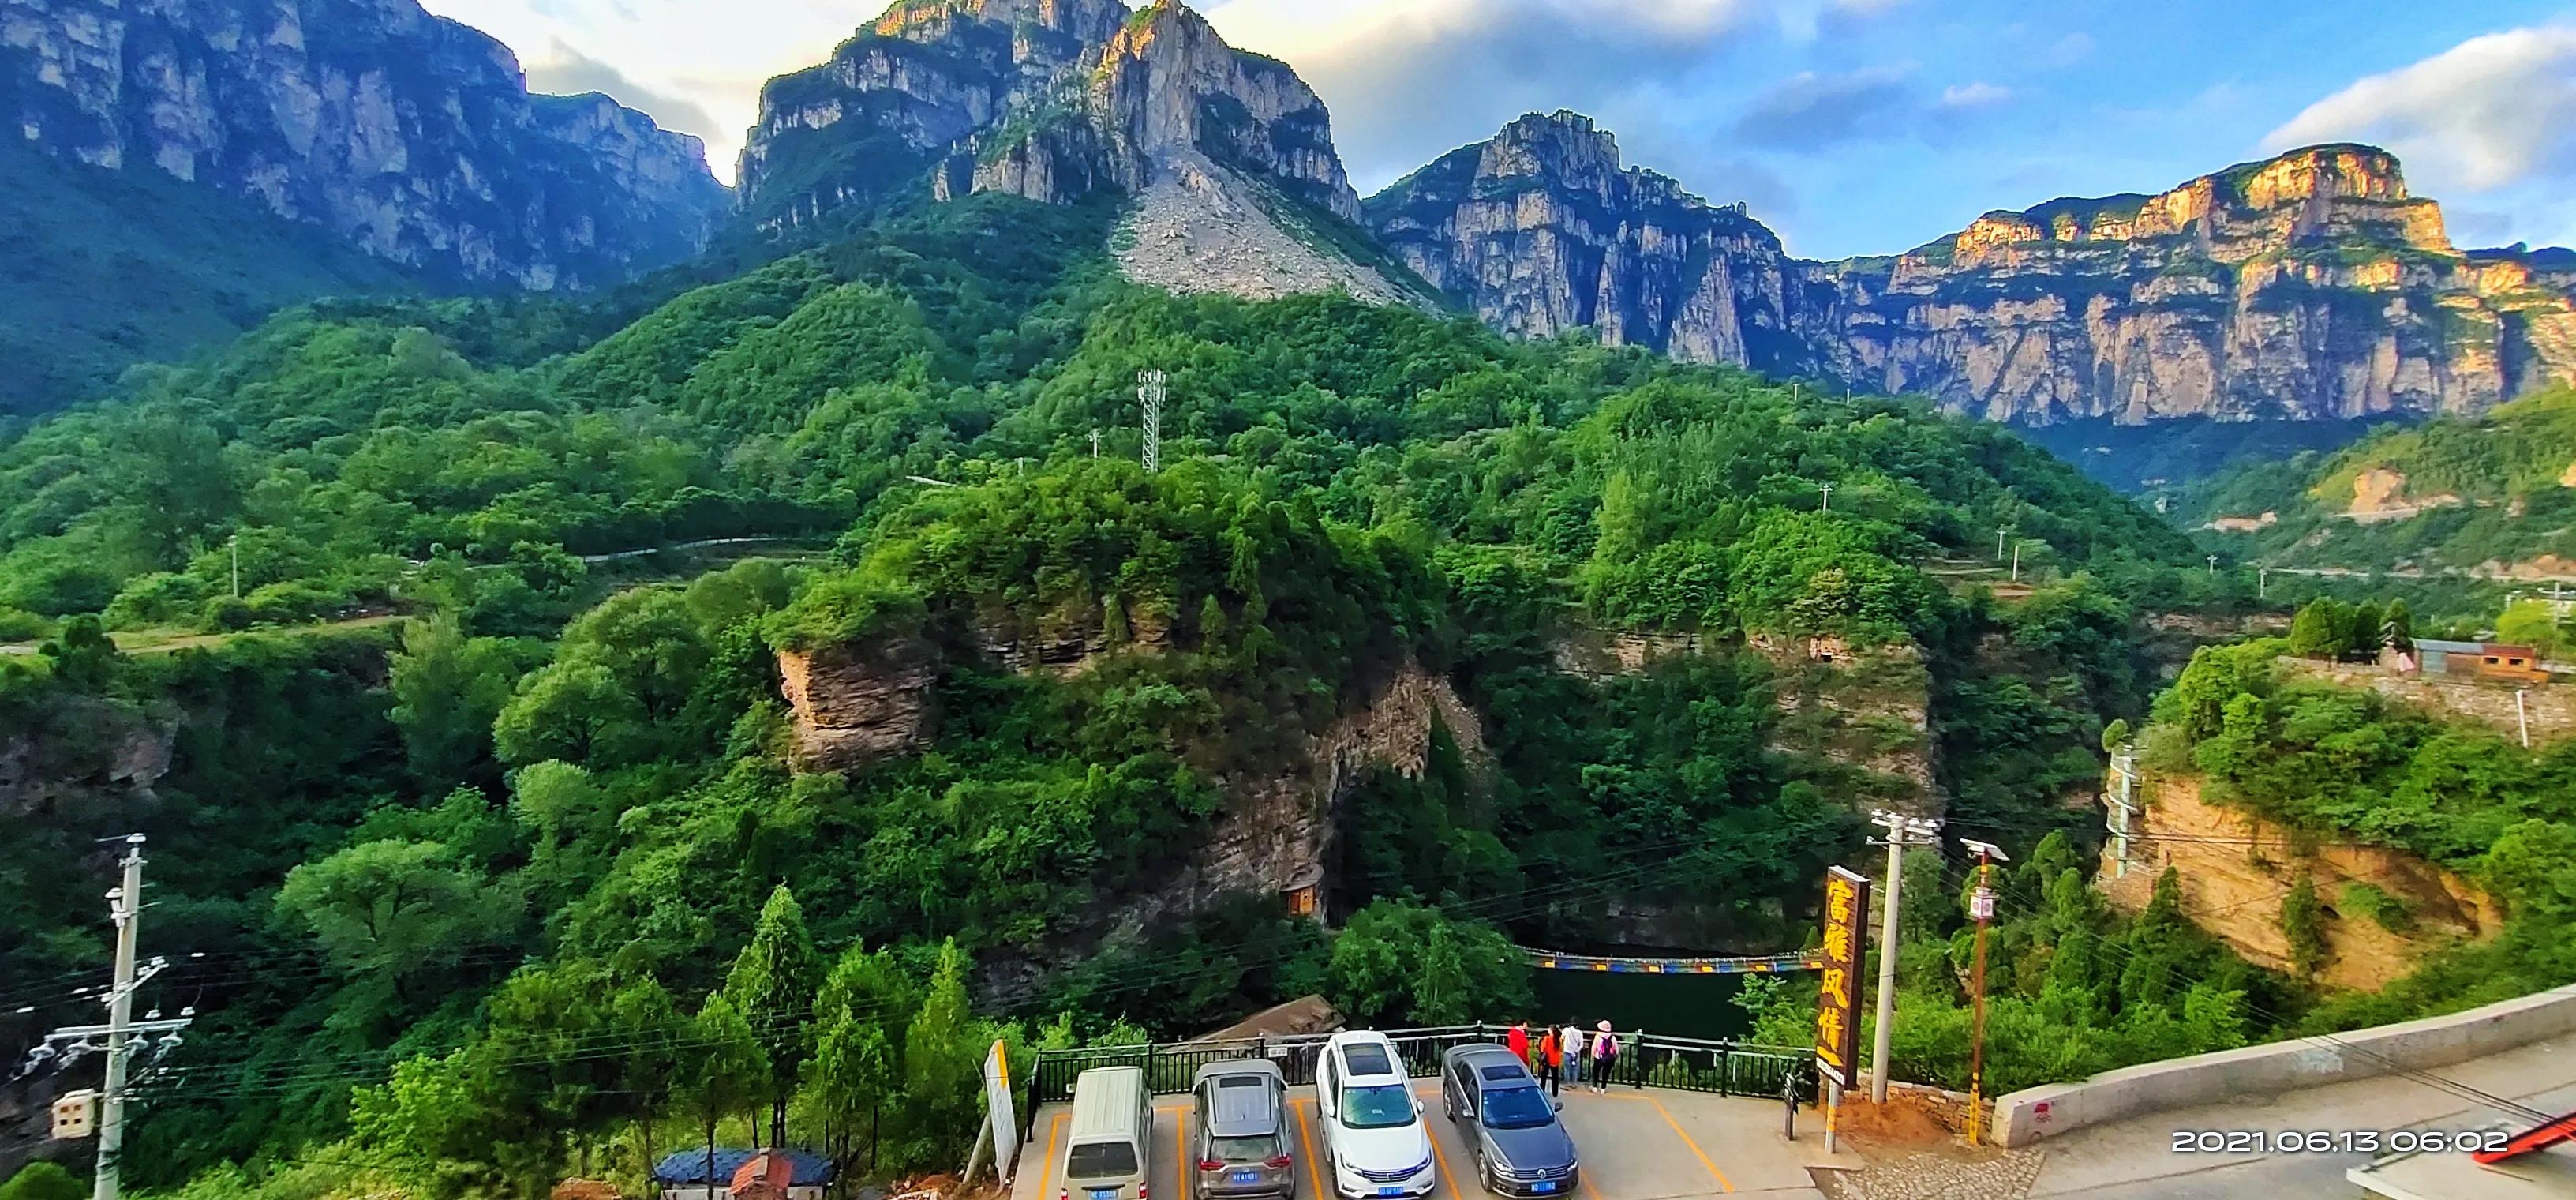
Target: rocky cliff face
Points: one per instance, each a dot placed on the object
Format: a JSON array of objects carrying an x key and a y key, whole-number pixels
[
  {"x": 1063, "y": 100},
  {"x": 2233, "y": 871},
  {"x": 1542, "y": 230},
  {"x": 2307, "y": 286},
  {"x": 2310, "y": 285},
  {"x": 411, "y": 135}
]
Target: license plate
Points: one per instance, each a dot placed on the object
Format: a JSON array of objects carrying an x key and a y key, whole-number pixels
[
  {"x": 1245, "y": 1177},
  {"x": 1390, "y": 1190},
  {"x": 1104, "y": 1194},
  {"x": 1544, "y": 1185}
]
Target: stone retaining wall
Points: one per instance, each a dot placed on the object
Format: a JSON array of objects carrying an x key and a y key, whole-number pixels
[{"x": 2031, "y": 1114}]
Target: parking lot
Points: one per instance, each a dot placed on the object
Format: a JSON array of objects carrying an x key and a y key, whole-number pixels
[{"x": 1649, "y": 1144}]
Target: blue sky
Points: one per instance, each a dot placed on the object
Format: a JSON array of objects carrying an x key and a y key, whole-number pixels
[{"x": 1851, "y": 126}]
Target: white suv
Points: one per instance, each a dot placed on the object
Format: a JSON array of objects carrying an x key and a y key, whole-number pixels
[{"x": 1374, "y": 1134}]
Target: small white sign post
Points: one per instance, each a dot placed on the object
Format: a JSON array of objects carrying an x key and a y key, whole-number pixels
[{"x": 997, "y": 1111}]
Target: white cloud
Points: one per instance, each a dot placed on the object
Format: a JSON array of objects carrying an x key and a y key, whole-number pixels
[
  {"x": 2490, "y": 113},
  {"x": 683, "y": 61},
  {"x": 1977, "y": 94}
]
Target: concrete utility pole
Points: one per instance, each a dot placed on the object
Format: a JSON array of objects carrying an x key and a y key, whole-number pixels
[
  {"x": 1982, "y": 907},
  {"x": 1150, "y": 393},
  {"x": 1902, "y": 831},
  {"x": 126, "y": 905},
  {"x": 1095, "y": 443},
  {"x": 2124, "y": 771},
  {"x": 236, "y": 544},
  {"x": 2263, "y": 583},
  {"x": 2522, "y": 715},
  {"x": 2016, "y": 578},
  {"x": 2001, "y": 532},
  {"x": 1829, "y": 496},
  {"x": 2213, "y": 566}
]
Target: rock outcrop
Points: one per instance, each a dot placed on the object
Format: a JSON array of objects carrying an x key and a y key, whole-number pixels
[
  {"x": 2310, "y": 285},
  {"x": 1060, "y": 101},
  {"x": 853, "y": 705},
  {"x": 2233, "y": 871},
  {"x": 1541, "y": 230},
  {"x": 411, "y": 135}
]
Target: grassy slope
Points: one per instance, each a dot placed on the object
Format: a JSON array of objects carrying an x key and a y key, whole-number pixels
[{"x": 103, "y": 269}]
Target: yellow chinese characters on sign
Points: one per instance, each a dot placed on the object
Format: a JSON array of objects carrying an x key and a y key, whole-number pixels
[{"x": 1846, "y": 917}]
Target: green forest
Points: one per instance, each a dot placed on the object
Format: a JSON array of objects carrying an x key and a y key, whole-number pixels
[{"x": 527, "y": 882}]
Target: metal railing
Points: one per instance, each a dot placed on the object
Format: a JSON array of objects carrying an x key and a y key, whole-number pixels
[{"x": 1724, "y": 1067}]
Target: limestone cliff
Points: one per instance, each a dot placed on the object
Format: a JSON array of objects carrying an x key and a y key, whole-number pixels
[
  {"x": 2310, "y": 285},
  {"x": 1060, "y": 101},
  {"x": 1542, "y": 230},
  {"x": 2234, "y": 871},
  {"x": 411, "y": 135}
]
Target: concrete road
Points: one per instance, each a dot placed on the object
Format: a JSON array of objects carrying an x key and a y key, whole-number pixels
[
  {"x": 2135, "y": 1160},
  {"x": 1635, "y": 1145}
]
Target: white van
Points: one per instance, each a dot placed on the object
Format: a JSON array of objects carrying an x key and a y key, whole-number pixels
[
  {"x": 1374, "y": 1135},
  {"x": 1113, "y": 1136}
]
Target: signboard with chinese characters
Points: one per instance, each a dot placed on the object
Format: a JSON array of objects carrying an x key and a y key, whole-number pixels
[{"x": 1838, "y": 997}]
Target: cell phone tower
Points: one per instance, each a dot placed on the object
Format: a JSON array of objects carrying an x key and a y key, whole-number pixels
[{"x": 1149, "y": 392}]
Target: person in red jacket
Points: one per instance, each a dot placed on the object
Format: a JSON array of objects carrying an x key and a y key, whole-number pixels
[
  {"x": 1518, "y": 1040},
  {"x": 1551, "y": 1062}
]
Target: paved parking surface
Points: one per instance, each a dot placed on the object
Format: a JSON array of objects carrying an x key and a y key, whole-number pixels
[{"x": 1635, "y": 1145}]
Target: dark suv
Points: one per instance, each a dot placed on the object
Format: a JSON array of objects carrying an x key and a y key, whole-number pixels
[{"x": 1521, "y": 1148}]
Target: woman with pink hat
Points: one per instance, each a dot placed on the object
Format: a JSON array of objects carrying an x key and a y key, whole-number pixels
[{"x": 1605, "y": 1047}]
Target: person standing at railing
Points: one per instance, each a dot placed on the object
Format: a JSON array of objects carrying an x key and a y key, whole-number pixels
[
  {"x": 1605, "y": 1052},
  {"x": 1551, "y": 1061},
  {"x": 1517, "y": 1039},
  {"x": 1570, "y": 1042}
]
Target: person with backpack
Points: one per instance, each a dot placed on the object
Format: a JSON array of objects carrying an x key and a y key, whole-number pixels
[{"x": 1605, "y": 1051}]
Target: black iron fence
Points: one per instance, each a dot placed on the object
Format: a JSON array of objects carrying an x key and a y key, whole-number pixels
[{"x": 1726, "y": 1068}]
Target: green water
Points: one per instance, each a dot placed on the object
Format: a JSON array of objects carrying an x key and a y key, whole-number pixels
[{"x": 1700, "y": 1006}]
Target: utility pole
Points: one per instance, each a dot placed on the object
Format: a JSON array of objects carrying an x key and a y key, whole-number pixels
[
  {"x": 2016, "y": 578},
  {"x": 1095, "y": 443},
  {"x": 1982, "y": 907},
  {"x": 128, "y": 909},
  {"x": 2263, "y": 583},
  {"x": 2001, "y": 531},
  {"x": 2213, "y": 566},
  {"x": 236, "y": 544},
  {"x": 1902, "y": 831},
  {"x": 1829, "y": 496},
  {"x": 2522, "y": 715},
  {"x": 2124, "y": 772},
  {"x": 1150, "y": 393}
]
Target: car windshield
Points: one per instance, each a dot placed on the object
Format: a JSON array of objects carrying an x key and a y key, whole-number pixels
[
  {"x": 1377, "y": 1106},
  {"x": 1100, "y": 1160},
  {"x": 1517, "y": 1108}
]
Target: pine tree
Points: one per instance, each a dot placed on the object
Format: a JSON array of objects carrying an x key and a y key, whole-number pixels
[
  {"x": 939, "y": 1058},
  {"x": 2312, "y": 632},
  {"x": 773, "y": 984},
  {"x": 723, "y": 1069},
  {"x": 2303, "y": 924}
]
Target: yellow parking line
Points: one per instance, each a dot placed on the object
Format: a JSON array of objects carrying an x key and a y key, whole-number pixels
[
  {"x": 1445, "y": 1180},
  {"x": 1180, "y": 1153},
  {"x": 1696, "y": 1152},
  {"x": 1305, "y": 1140},
  {"x": 1055, "y": 1129}
]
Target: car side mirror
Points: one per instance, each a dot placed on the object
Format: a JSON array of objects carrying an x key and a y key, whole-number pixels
[
  {"x": 1556, "y": 1104},
  {"x": 1417, "y": 1108}
]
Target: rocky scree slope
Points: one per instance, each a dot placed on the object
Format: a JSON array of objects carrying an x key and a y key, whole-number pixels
[
  {"x": 2307, "y": 286},
  {"x": 1061, "y": 101},
  {"x": 411, "y": 135}
]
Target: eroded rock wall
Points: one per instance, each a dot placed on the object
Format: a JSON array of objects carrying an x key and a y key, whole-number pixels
[
  {"x": 2234, "y": 870},
  {"x": 411, "y": 135}
]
